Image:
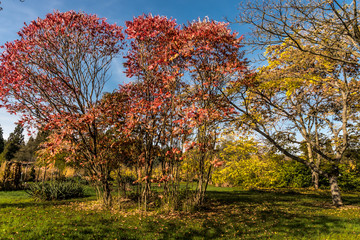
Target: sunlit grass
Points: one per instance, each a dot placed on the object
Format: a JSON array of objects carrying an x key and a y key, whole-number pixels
[{"x": 230, "y": 213}]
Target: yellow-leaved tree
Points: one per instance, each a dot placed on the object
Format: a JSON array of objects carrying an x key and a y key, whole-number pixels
[{"x": 297, "y": 96}]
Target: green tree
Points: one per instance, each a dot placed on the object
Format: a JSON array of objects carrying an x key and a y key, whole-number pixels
[
  {"x": 27, "y": 152},
  {"x": 14, "y": 143},
  {"x": 2, "y": 140}
]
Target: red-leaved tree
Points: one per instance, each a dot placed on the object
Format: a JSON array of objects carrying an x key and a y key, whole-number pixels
[
  {"x": 180, "y": 73},
  {"x": 154, "y": 96},
  {"x": 212, "y": 58},
  {"x": 54, "y": 75}
]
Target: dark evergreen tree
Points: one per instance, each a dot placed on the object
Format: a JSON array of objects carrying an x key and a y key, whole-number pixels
[
  {"x": 27, "y": 153},
  {"x": 14, "y": 143},
  {"x": 2, "y": 140}
]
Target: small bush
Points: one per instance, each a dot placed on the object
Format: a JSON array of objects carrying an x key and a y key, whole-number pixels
[
  {"x": 180, "y": 200},
  {"x": 56, "y": 190}
]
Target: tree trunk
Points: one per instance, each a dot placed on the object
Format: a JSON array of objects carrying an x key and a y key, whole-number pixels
[
  {"x": 206, "y": 183},
  {"x": 146, "y": 193},
  {"x": 44, "y": 177},
  {"x": 314, "y": 175},
  {"x": 37, "y": 177},
  {"x": 315, "y": 179},
  {"x": 106, "y": 193},
  {"x": 335, "y": 191},
  {"x": 198, "y": 196},
  {"x": 318, "y": 157},
  {"x": 17, "y": 175},
  {"x": 199, "y": 193}
]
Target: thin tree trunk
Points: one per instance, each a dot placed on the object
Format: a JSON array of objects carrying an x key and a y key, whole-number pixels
[
  {"x": 147, "y": 190},
  {"x": 314, "y": 174},
  {"x": 146, "y": 193},
  {"x": 107, "y": 198},
  {"x": 199, "y": 192},
  {"x": 198, "y": 195},
  {"x": 37, "y": 175},
  {"x": 318, "y": 157},
  {"x": 44, "y": 176},
  {"x": 206, "y": 184}
]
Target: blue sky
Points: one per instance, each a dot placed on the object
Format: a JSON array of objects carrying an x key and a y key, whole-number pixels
[{"x": 15, "y": 13}]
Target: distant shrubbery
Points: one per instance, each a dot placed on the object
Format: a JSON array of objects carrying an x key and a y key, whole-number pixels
[
  {"x": 349, "y": 178},
  {"x": 248, "y": 164},
  {"x": 257, "y": 172}
]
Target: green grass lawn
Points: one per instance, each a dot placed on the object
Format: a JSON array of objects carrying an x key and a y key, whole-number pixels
[{"x": 230, "y": 213}]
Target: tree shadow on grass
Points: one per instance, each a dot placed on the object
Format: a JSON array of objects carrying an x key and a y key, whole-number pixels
[
  {"x": 254, "y": 197},
  {"x": 261, "y": 214},
  {"x": 268, "y": 224},
  {"x": 29, "y": 203},
  {"x": 302, "y": 225},
  {"x": 32, "y": 204},
  {"x": 260, "y": 196}
]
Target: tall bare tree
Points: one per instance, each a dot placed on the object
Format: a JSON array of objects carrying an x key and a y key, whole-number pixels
[{"x": 329, "y": 24}]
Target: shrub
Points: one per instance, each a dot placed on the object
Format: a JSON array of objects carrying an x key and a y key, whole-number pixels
[
  {"x": 56, "y": 190},
  {"x": 260, "y": 172},
  {"x": 292, "y": 174},
  {"x": 349, "y": 178}
]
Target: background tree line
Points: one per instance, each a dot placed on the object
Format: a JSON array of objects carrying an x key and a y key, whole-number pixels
[{"x": 18, "y": 158}]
